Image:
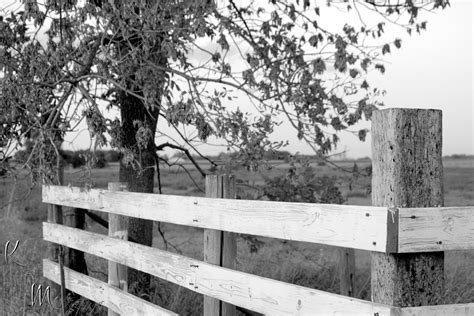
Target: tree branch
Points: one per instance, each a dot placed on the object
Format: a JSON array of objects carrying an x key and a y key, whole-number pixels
[{"x": 184, "y": 150}]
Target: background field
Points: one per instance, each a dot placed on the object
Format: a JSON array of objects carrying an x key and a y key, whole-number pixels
[{"x": 295, "y": 262}]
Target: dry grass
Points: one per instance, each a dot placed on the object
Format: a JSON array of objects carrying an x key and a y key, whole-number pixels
[{"x": 299, "y": 263}]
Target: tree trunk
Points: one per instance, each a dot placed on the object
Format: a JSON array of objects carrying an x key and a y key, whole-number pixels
[
  {"x": 139, "y": 175},
  {"x": 139, "y": 171}
]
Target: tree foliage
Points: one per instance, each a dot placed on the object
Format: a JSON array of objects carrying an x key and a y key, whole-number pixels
[{"x": 186, "y": 63}]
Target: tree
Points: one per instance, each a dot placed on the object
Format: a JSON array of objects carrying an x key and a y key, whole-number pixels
[{"x": 179, "y": 64}]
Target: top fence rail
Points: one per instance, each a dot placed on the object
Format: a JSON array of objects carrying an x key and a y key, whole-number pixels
[{"x": 379, "y": 229}]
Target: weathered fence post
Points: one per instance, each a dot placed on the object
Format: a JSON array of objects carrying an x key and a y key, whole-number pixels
[
  {"x": 118, "y": 228},
  {"x": 347, "y": 271},
  {"x": 407, "y": 172},
  {"x": 220, "y": 247},
  {"x": 55, "y": 215}
]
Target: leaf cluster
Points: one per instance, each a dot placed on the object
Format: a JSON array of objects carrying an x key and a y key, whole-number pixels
[{"x": 302, "y": 184}]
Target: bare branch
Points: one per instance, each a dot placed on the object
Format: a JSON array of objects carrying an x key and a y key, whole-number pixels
[{"x": 184, "y": 150}]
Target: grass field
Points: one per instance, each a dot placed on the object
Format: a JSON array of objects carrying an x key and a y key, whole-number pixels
[{"x": 295, "y": 262}]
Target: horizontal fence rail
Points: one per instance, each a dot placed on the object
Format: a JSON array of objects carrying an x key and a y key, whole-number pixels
[
  {"x": 436, "y": 229},
  {"x": 100, "y": 292},
  {"x": 439, "y": 310},
  {"x": 256, "y": 293},
  {"x": 380, "y": 229}
]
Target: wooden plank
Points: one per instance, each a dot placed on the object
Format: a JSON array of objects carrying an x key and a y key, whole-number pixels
[
  {"x": 118, "y": 228},
  {"x": 90, "y": 199},
  {"x": 347, "y": 268},
  {"x": 439, "y": 310},
  {"x": 220, "y": 248},
  {"x": 407, "y": 172},
  {"x": 55, "y": 215},
  {"x": 431, "y": 222},
  {"x": 100, "y": 292},
  {"x": 229, "y": 248},
  {"x": 436, "y": 229},
  {"x": 238, "y": 288},
  {"x": 360, "y": 227},
  {"x": 213, "y": 244}
]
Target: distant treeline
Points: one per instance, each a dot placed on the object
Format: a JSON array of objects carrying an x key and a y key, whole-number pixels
[
  {"x": 459, "y": 156},
  {"x": 99, "y": 158},
  {"x": 78, "y": 158},
  {"x": 275, "y": 155},
  {"x": 268, "y": 155}
]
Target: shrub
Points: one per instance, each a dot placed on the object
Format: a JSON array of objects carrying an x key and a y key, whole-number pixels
[
  {"x": 77, "y": 161},
  {"x": 299, "y": 184},
  {"x": 302, "y": 185},
  {"x": 99, "y": 160},
  {"x": 112, "y": 155}
]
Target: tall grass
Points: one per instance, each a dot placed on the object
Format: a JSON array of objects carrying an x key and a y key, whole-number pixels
[{"x": 19, "y": 272}]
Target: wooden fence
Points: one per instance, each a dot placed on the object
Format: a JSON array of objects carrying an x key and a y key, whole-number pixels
[{"x": 407, "y": 232}]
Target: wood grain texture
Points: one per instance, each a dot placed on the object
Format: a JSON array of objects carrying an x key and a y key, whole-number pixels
[
  {"x": 249, "y": 291},
  {"x": 347, "y": 269},
  {"x": 73, "y": 197},
  {"x": 359, "y": 227},
  {"x": 100, "y": 292},
  {"x": 439, "y": 310},
  {"x": 220, "y": 248},
  {"x": 453, "y": 226},
  {"x": 213, "y": 243},
  {"x": 118, "y": 228},
  {"x": 55, "y": 215},
  {"x": 407, "y": 172},
  {"x": 436, "y": 229}
]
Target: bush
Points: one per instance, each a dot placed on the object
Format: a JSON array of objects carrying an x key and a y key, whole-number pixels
[
  {"x": 299, "y": 184},
  {"x": 99, "y": 160},
  {"x": 77, "y": 161},
  {"x": 302, "y": 185},
  {"x": 112, "y": 155}
]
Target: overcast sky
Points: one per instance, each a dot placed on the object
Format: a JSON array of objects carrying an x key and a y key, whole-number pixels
[
  {"x": 431, "y": 70},
  {"x": 435, "y": 70}
]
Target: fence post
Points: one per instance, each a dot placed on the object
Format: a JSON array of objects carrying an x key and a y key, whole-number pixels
[
  {"x": 220, "y": 247},
  {"x": 118, "y": 228},
  {"x": 347, "y": 271},
  {"x": 407, "y": 172},
  {"x": 55, "y": 215}
]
